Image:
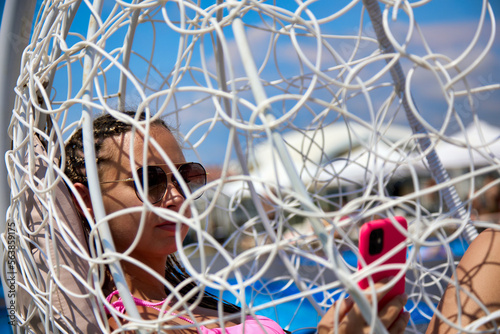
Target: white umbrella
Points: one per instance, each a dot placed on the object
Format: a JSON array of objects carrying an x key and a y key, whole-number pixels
[
  {"x": 478, "y": 145},
  {"x": 338, "y": 153}
]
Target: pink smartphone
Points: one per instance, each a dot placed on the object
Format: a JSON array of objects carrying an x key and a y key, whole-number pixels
[{"x": 376, "y": 238}]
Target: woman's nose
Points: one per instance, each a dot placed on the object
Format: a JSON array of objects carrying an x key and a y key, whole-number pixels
[{"x": 173, "y": 198}]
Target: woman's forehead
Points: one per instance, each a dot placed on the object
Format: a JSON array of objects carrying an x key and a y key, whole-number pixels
[
  {"x": 119, "y": 147},
  {"x": 167, "y": 144}
]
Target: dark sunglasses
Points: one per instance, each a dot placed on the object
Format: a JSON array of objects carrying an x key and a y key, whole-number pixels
[{"x": 193, "y": 174}]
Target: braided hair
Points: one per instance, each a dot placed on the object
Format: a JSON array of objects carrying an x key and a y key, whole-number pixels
[{"x": 107, "y": 126}]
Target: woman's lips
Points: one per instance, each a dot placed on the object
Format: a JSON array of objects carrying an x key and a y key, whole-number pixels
[{"x": 167, "y": 226}]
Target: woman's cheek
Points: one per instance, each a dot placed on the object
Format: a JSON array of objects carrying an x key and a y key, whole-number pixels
[
  {"x": 188, "y": 212},
  {"x": 185, "y": 230}
]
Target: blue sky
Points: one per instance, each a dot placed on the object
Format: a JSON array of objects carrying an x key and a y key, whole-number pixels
[{"x": 448, "y": 27}]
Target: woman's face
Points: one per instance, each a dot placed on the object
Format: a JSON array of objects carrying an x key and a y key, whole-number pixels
[{"x": 158, "y": 235}]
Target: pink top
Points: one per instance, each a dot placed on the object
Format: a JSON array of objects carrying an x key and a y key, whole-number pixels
[{"x": 257, "y": 325}]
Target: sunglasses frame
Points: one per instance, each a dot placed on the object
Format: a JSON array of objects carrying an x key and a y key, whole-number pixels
[{"x": 173, "y": 181}]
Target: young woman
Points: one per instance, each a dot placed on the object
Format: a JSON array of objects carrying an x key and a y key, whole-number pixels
[{"x": 157, "y": 242}]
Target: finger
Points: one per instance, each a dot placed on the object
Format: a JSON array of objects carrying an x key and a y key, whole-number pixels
[
  {"x": 382, "y": 288},
  {"x": 392, "y": 310},
  {"x": 379, "y": 289},
  {"x": 355, "y": 313},
  {"x": 399, "y": 326},
  {"x": 343, "y": 306},
  {"x": 355, "y": 322}
]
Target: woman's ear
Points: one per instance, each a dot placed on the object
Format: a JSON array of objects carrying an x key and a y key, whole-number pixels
[{"x": 84, "y": 192}]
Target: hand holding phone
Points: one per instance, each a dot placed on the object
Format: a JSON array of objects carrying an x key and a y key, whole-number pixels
[{"x": 377, "y": 238}]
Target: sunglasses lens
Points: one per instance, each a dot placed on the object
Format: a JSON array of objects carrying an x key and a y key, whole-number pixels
[
  {"x": 194, "y": 175},
  {"x": 157, "y": 182}
]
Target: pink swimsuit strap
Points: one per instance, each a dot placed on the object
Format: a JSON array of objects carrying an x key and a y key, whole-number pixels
[
  {"x": 257, "y": 325},
  {"x": 118, "y": 305}
]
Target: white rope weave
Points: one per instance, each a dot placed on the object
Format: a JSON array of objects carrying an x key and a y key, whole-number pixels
[{"x": 319, "y": 123}]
